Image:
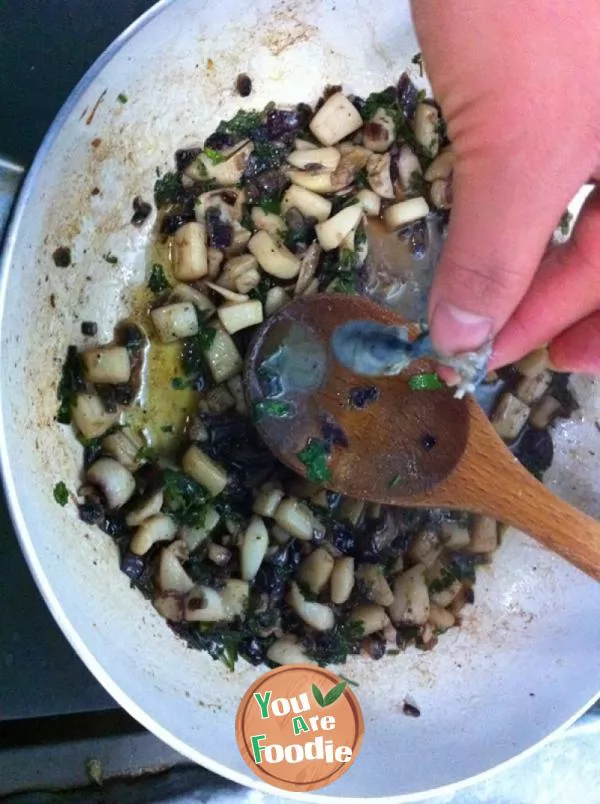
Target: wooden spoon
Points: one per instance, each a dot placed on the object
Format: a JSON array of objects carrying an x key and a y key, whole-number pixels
[{"x": 409, "y": 448}]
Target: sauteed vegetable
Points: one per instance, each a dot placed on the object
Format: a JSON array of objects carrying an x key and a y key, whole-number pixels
[{"x": 240, "y": 556}]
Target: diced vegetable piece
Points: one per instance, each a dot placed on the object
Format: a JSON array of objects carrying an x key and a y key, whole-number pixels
[
  {"x": 534, "y": 363},
  {"x": 304, "y": 145},
  {"x": 190, "y": 254},
  {"x": 169, "y": 605},
  {"x": 442, "y": 166},
  {"x": 427, "y": 120},
  {"x": 484, "y": 535},
  {"x": 175, "y": 321},
  {"x": 440, "y": 618},
  {"x": 323, "y": 158},
  {"x": 296, "y": 518},
  {"x": 145, "y": 509},
  {"x": 248, "y": 281},
  {"x": 411, "y": 598},
  {"x": 335, "y": 120},
  {"x": 398, "y": 215},
  {"x": 269, "y": 221},
  {"x": 275, "y": 259},
  {"x": 158, "y": 528},
  {"x": 510, "y": 417},
  {"x": 229, "y": 295},
  {"x": 426, "y": 547},
  {"x": 378, "y": 589},
  {"x": 235, "y": 317},
  {"x": 171, "y": 577},
  {"x": 229, "y": 172},
  {"x": 288, "y": 650},
  {"x": 409, "y": 172},
  {"x": 332, "y": 232},
  {"x": 316, "y": 570},
  {"x": 316, "y": 181},
  {"x": 544, "y": 413},
  {"x": 342, "y": 580},
  {"x": 235, "y": 595},
  {"x": 126, "y": 447},
  {"x": 275, "y": 300},
  {"x": 372, "y": 618},
  {"x": 443, "y": 586},
  {"x": 531, "y": 389},
  {"x": 311, "y": 205},
  {"x": 455, "y": 535},
  {"x": 370, "y": 202},
  {"x": 195, "y": 536},
  {"x": 204, "y": 470},
  {"x": 379, "y": 132},
  {"x": 90, "y": 416},
  {"x": 354, "y": 159},
  {"x": 267, "y": 502},
  {"x": 223, "y": 357},
  {"x": 107, "y": 364},
  {"x": 116, "y": 483},
  {"x": 353, "y": 510},
  {"x": 204, "y": 605},
  {"x": 215, "y": 258},
  {"x": 317, "y": 615},
  {"x": 187, "y": 293},
  {"x": 379, "y": 175},
  {"x": 253, "y": 549}
]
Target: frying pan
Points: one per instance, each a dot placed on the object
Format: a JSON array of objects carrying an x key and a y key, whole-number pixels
[{"x": 526, "y": 661}]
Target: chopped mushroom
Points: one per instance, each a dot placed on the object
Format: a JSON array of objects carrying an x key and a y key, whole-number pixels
[
  {"x": 332, "y": 232},
  {"x": 204, "y": 470},
  {"x": 235, "y": 317},
  {"x": 175, "y": 321},
  {"x": 427, "y": 119},
  {"x": 157, "y": 528},
  {"x": 275, "y": 259},
  {"x": 190, "y": 254},
  {"x": 90, "y": 416},
  {"x": 310, "y": 204},
  {"x": 398, "y": 215},
  {"x": 379, "y": 132},
  {"x": 116, "y": 483},
  {"x": 317, "y": 615},
  {"x": 379, "y": 175},
  {"x": 315, "y": 159},
  {"x": 107, "y": 364},
  {"x": 336, "y": 119}
]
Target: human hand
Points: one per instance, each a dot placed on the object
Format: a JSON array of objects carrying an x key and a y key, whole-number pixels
[{"x": 518, "y": 88}]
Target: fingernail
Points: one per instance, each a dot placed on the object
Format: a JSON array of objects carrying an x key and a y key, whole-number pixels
[{"x": 454, "y": 330}]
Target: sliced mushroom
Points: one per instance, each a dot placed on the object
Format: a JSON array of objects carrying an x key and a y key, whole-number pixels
[
  {"x": 227, "y": 173},
  {"x": 124, "y": 446},
  {"x": 171, "y": 577},
  {"x": 484, "y": 535},
  {"x": 146, "y": 508},
  {"x": 107, "y": 364},
  {"x": 229, "y": 295},
  {"x": 335, "y": 120},
  {"x": 342, "y": 580},
  {"x": 253, "y": 549},
  {"x": 208, "y": 473},
  {"x": 223, "y": 357},
  {"x": 398, "y": 215},
  {"x": 215, "y": 258},
  {"x": 187, "y": 293},
  {"x": 217, "y": 400},
  {"x": 175, "y": 321},
  {"x": 442, "y": 166},
  {"x": 204, "y": 605},
  {"x": 311, "y": 205},
  {"x": 372, "y": 617},
  {"x": 273, "y": 258},
  {"x": 332, "y": 232},
  {"x": 411, "y": 598},
  {"x": 377, "y": 588},
  {"x": 410, "y": 174},
  {"x": 276, "y": 299},
  {"x": 379, "y": 133},
  {"x": 426, "y": 126},
  {"x": 370, "y": 202},
  {"x": 531, "y": 389},
  {"x": 308, "y": 268},
  {"x": 379, "y": 175},
  {"x": 317, "y": 615},
  {"x": 296, "y": 518},
  {"x": 90, "y": 416},
  {"x": 316, "y": 181},
  {"x": 440, "y": 193},
  {"x": 190, "y": 254},
  {"x": 267, "y": 501},
  {"x": 116, "y": 483},
  {"x": 354, "y": 159},
  {"x": 509, "y": 417},
  {"x": 157, "y": 528},
  {"x": 315, "y": 159},
  {"x": 229, "y": 202},
  {"x": 288, "y": 650},
  {"x": 235, "y": 268},
  {"x": 316, "y": 570},
  {"x": 269, "y": 221}
]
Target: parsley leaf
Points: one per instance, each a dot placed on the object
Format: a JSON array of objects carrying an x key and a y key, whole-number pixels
[
  {"x": 315, "y": 456},
  {"x": 184, "y": 499},
  {"x": 216, "y": 157},
  {"x": 122, "y": 97},
  {"x": 61, "y": 493},
  {"x": 243, "y": 124},
  {"x": 158, "y": 281}
]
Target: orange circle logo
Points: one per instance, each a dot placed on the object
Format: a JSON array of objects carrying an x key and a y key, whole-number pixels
[{"x": 299, "y": 727}]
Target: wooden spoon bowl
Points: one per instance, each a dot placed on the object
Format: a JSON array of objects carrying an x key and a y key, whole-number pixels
[{"x": 408, "y": 447}]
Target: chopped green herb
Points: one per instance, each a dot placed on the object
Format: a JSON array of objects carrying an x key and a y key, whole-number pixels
[
  {"x": 380, "y": 100},
  {"x": 182, "y": 383},
  {"x": 206, "y": 336},
  {"x": 261, "y": 290},
  {"x": 272, "y": 407},
  {"x": 418, "y": 60},
  {"x": 185, "y": 500},
  {"x": 267, "y": 156},
  {"x": 167, "y": 428},
  {"x": 271, "y": 203},
  {"x": 71, "y": 382},
  {"x": 362, "y": 179},
  {"x": 158, "y": 281},
  {"x": 243, "y": 124},
  {"x": 307, "y": 592},
  {"x": 122, "y": 97},
  {"x": 110, "y": 258},
  {"x": 447, "y": 577},
  {"x": 334, "y": 646},
  {"x": 61, "y": 493},
  {"x": 349, "y": 680},
  {"x": 145, "y": 453},
  {"x": 168, "y": 189},
  {"x": 216, "y": 157},
  {"x": 394, "y": 481},
  {"x": 315, "y": 456},
  {"x": 425, "y": 382}
]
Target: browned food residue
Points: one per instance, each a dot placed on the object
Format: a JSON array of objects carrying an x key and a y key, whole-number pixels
[
  {"x": 62, "y": 257},
  {"x": 90, "y": 117}
]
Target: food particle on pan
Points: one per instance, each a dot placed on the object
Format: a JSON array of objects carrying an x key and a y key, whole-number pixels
[
  {"x": 61, "y": 493},
  {"x": 122, "y": 97},
  {"x": 243, "y": 85},
  {"x": 141, "y": 211},
  {"x": 62, "y": 257},
  {"x": 110, "y": 258}
]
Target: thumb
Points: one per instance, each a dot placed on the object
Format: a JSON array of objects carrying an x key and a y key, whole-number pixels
[{"x": 506, "y": 205}]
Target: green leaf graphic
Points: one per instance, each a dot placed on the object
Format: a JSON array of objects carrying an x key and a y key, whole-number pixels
[
  {"x": 318, "y": 695},
  {"x": 335, "y": 693}
]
